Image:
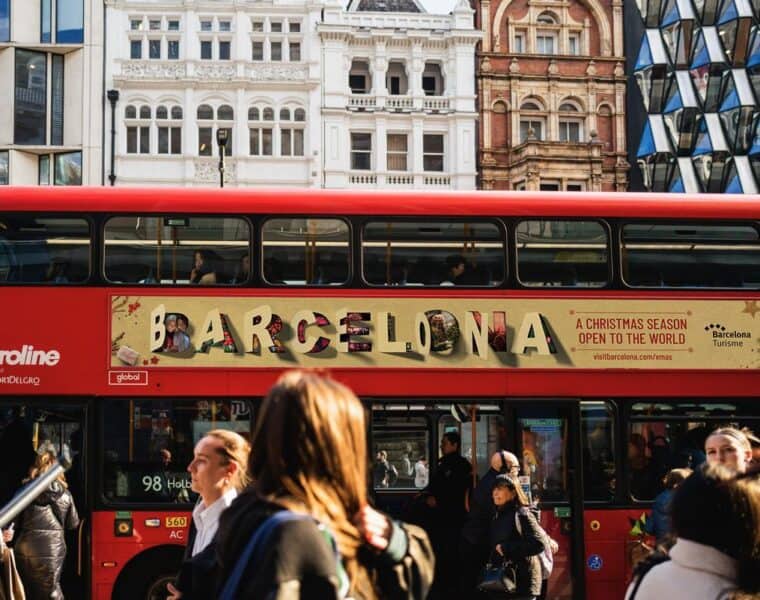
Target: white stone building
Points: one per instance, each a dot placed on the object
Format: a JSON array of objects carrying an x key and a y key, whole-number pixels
[
  {"x": 51, "y": 56},
  {"x": 185, "y": 69},
  {"x": 398, "y": 95}
]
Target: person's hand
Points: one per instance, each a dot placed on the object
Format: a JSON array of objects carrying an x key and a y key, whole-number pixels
[
  {"x": 374, "y": 527},
  {"x": 553, "y": 546},
  {"x": 430, "y": 501},
  {"x": 7, "y": 535},
  {"x": 174, "y": 593},
  {"x": 499, "y": 550}
]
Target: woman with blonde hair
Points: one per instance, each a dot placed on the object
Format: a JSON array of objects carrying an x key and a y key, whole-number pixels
[
  {"x": 729, "y": 447},
  {"x": 40, "y": 546},
  {"x": 309, "y": 461}
]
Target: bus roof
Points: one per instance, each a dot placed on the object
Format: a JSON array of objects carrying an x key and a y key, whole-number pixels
[{"x": 370, "y": 202}]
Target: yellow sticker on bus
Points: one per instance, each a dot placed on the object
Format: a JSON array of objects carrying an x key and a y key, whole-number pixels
[{"x": 176, "y": 522}]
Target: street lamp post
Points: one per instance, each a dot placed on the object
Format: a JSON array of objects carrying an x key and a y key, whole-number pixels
[
  {"x": 113, "y": 98},
  {"x": 222, "y": 136}
]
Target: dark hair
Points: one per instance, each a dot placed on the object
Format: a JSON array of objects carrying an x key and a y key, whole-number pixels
[
  {"x": 454, "y": 438},
  {"x": 718, "y": 509},
  {"x": 454, "y": 260},
  {"x": 506, "y": 481}
]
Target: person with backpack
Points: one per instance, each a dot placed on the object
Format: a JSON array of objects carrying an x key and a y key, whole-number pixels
[
  {"x": 304, "y": 529},
  {"x": 514, "y": 537},
  {"x": 715, "y": 516}
]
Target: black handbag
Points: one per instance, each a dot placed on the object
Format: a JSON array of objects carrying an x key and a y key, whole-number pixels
[{"x": 499, "y": 577}]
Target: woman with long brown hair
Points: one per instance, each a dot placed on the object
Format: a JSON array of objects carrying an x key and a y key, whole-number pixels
[
  {"x": 40, "y": 546},
  {"x": 309, "y": 456}
]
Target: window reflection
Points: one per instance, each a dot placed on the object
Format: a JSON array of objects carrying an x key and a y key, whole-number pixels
[{"x": 31, "y": 95}]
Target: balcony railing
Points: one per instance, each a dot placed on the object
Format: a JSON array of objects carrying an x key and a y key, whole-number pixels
[
  {"x": 378, "y": 179},
  {"x": 363, "y": 101},
  {"x": 438, "y": 103},
  {"x": 399, "y": 102}
]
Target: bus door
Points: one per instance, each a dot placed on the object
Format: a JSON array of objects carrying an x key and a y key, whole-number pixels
[
  {"x": 31, "y": 427},
  {"x": 404, "y": 449}
]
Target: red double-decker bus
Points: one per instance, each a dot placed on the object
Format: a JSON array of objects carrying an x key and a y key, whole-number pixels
[{"x": 600, "y": 337}]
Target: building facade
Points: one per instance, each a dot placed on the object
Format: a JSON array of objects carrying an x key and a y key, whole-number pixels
[
  {"x": 551, "y": 81},
  {"x": 185, "y": 74},
  {"x": 51, "y": 54},
  {"x": 398, "y": 97},
  {"x": 693, "y": 95}
]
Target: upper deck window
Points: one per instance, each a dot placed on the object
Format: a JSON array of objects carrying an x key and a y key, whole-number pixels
[
  {"x": 37, "y": 249},
  {"x": 305, "y": 251},
  {"x": 175, "y": 250},
  {"x": 433, "y": 253},
  {"x": 691, "y": 255},
  {"x": 558, "y": 253}
]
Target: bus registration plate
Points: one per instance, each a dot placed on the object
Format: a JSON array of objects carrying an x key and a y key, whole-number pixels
[{"x": 176, "y": 522}]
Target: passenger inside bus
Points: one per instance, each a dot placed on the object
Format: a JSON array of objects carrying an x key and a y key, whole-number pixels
[
  {"x": 206, "y": 263},
  {"x": 243, "y": 270},
  {"x": 57, "y": 271},
  {"x": 455, "y": 269}
]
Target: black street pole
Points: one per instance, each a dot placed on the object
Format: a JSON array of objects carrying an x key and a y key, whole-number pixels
[
  {"x": 113, "y": 98},
  {"x": 221, "y": 140}
]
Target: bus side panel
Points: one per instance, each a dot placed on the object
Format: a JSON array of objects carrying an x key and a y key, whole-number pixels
[
  {"x": 111, "y": 552},
  {"x": 608, "y": 543}
]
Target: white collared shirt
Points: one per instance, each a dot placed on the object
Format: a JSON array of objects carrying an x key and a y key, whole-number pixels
[{"x": 206, "y": 519}]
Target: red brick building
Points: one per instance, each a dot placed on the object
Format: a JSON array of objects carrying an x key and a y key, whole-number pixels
[{"x": 551, "y": 85}]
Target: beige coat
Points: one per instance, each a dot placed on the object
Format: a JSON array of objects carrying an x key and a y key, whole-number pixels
[{"x": 695, "y": 572}]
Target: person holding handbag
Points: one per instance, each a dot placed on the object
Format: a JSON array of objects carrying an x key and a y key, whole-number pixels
[
  {"x": 304, "y": 529},
  {"x": 515, "y": 542}
]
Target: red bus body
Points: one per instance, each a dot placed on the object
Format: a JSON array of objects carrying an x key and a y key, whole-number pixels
[{"x": 75, "y": 321}]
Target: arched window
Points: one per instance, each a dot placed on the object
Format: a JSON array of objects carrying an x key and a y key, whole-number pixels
[
  {"x": 284, "y": 114},
  {"x": 291, "y": 134},
  {"x": 205, "y": 112},
  {"x": 207, "y": 130},
  {"x": 169, "y": 134},
  {"x": 225, "y": 113},
  {"x": 145, "y": 112},
  {"x": 546, "y": 18},
  {"x": 300, "y": 114},
  {"x": 532, "y": 121},
  {"x": 162, "y": 113},
  {"x": 253, "y": 114},
  {"x": 268, "y": 114},
  {"x": 499, "y": 126},
  {"x": 176, "y": 112},
  {"x": 571, "y": 122},
  {"x": 138, "y": 133},
  {"x": 130, "y": 112}
]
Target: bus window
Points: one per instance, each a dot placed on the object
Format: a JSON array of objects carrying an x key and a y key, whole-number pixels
[
  {"x": 543, "y": 436},
  {"x": 691, "y": 255},
  {"x": 598, "y": 426},
  {"x": 177, "y": 250},
  {"x": 664, "y": 436},
  {"x": 489, "y": 430},
  {"x": 555, "y": 253},
  {"x": 400, "y": 452},
  {"x": 433, "y": 253},
  {"x": 44, "y": 250},
  {"x": 305, "y": 251},
  {"x": 148, "y": 444}
]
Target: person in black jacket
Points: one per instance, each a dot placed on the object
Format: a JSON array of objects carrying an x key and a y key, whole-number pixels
[
  {"x": 309, "y": 456},
  {"x": 474, "y": 547},
  {"x": 515, "y": 536},
  {"x": 40, "y": 546}
]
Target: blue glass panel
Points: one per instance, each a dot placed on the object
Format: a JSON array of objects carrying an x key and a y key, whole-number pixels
[
  {"x": 729, "y": 13},
  {"x": 46, "y": 22},
  {"x": 5, "y": 20},
  {"x": 674, "y": 103},
  {"x": 647, "y": 146},
  {"x": 731, "y": 101},
  {"x": 704, "y": 144},
  {"x": 702, "y": 54},
  {"x": 69, "y": 22},
  {"x": 644, "y": 58},
  {"x": 671, "y": 16},
  {"x": 677, "y": 187},
  {"x": 754, "y": 53},
  {"x": 735, "y": 185}
]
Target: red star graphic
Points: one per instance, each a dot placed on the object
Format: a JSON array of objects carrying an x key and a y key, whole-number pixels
[
  {"x": 154, "y": 360},
  {"x": 751, "y": 307}
]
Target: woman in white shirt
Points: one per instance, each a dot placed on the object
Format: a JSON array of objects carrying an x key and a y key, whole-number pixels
[
  {"x": 420, "y": 473},
  {"x": 218, "y": 473}
]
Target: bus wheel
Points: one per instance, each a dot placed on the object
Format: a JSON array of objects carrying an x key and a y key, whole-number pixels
[{"x": 146, "y": 575}]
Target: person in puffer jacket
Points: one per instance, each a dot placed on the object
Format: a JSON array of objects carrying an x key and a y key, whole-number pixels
[{"x": 40, "y": 545}]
